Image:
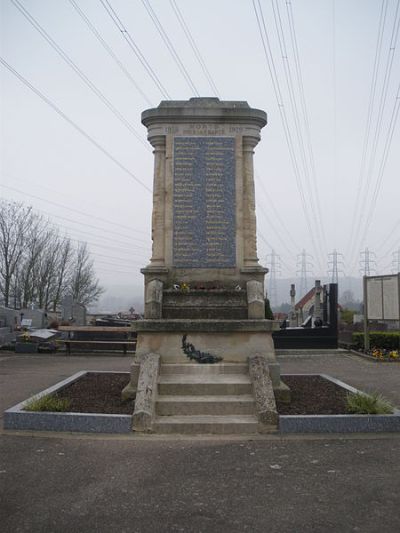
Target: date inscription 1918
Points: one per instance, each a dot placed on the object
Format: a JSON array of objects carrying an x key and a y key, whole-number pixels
[{"x": 204, "y": 202}]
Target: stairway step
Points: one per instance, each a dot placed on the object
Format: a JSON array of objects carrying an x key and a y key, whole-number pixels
[
  {"x": 198, "y": 369},
  {"x": 206, "y": 424},
  {"x": 242, "y": 404},
  {"x": 219, "y": 384}
]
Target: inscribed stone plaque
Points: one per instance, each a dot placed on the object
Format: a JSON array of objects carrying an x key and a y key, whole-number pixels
[{"x": 204, "y": 202}]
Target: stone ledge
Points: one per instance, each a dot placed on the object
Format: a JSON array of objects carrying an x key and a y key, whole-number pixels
[
  {"x": 263, "y": 391},
  {"x": 339, "y": 423},
  {"x": 204, "y": 325},
  {"x": 17, "y": 418}
]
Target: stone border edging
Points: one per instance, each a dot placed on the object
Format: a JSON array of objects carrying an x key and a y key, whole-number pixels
[
  {"x": 339, "y": 423},
  {"x": 16, "y": 418}
]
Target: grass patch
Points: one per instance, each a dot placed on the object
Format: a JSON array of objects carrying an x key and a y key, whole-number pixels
[
  {"x": 371, "y": 404},
  {"x": 48, "y": 403}
]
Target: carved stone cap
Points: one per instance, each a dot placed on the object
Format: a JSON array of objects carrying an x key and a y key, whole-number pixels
[{"x": 204, "y": 110}]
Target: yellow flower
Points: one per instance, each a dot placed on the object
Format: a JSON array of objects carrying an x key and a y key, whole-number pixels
[{"x": 184, "y": 287}]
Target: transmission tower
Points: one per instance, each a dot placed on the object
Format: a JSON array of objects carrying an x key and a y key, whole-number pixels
[
  {"x": 367, "y": 263},
  {"x": 273, "y": 262},
  {"x": 334, "y": 264},
  {"x": 304, "y": 271},
  {"x": 396, "y": 261}
]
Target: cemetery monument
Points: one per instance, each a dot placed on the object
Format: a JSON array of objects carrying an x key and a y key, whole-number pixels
[{"x": 204, "y": 286}]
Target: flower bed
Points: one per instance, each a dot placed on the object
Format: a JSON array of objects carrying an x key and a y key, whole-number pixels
[{"x": 318, "y": 406}]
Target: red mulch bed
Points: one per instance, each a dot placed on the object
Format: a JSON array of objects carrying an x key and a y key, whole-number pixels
[
  {"x": 313, "y": 395},
  {"x": 98, "y": 393},
  {"x": 101, "y": 393}
]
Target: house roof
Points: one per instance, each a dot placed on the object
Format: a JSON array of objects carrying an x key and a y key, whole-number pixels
[{"x": 306, "y": 298}]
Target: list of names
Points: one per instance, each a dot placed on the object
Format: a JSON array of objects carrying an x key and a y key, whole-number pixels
[{"x": 204, "y": 202}]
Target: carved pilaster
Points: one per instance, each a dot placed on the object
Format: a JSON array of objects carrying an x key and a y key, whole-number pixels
[
  {"x": 158, "y": 217},
  {"x": 249, "y": 205}
]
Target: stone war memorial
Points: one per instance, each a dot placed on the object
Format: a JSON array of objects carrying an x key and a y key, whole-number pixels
[{"x": 205, "y": 359}]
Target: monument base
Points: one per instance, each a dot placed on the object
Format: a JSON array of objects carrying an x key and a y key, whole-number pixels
[{"x": 232, "y": 341}]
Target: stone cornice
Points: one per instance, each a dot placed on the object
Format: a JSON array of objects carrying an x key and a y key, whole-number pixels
[{"x": 203, "y": 110}]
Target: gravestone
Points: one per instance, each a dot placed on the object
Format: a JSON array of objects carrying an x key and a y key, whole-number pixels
[{"x": 204, "y": 280}]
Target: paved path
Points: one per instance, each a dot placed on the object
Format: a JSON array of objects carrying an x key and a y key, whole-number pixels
[{"x": 79, "y": 483}]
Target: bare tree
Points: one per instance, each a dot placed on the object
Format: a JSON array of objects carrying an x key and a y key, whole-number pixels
[
  {"x": 27, "y": 277},
  {"x": 84, "y": 287},
  {"x": 38, "y": 265},
  {"x": 62, "y": 268},
  {"x": 15, "y": 221}
]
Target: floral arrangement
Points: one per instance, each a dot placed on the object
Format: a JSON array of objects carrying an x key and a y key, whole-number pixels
[
  {"x": 185, "y": 287},
  {"x": 380, "y": 353},
  {"x": 196, "y": 355}
]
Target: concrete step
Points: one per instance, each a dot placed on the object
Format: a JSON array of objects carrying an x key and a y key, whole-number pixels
[
  {"x": 207, "y": 424},
  {"x": 200, "y": 385},
  {"x": 205, "y": 370},
  {"x": 242, "y": 404}
]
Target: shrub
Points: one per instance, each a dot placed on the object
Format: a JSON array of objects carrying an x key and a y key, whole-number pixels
[
  {"x": 48, "y": 403},
  {"x": 368, "y": 404},
  {"x": 378, "y": 339},
  {"x": 269, "y": 315}
]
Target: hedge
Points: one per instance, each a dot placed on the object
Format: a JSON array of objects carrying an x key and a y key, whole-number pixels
[{"x": 378, "y": 339}]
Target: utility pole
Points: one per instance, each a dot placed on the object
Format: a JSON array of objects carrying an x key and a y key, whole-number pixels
[
  {"x": 367, "y": 262},
  {"x": 293, "y": 316},
  {"x": 396, "y": 261},
  {"x": 304, "y": 271},
  {"x": 334, "y": 263},
  {"x": 273, "y": 262}
]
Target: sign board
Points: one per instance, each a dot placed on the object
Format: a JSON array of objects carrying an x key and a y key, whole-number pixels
[
  {"x": 26, "y": 322},
  {"x": 382, "y": 297},
  {"x": 381, "y": 300}
]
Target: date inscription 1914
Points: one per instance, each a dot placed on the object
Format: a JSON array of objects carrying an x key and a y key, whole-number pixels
[{"x": 204, "y": 202}]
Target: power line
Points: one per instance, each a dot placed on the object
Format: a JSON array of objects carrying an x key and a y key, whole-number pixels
[
  {"x": 272, "y": 226},
  {"x": 133, "y": 46},
  {"x": 72, "y": 123},
  {"x": 276, "y": 212},
  {"x": 78, "y": 71},
  {"x": 131, "y": 248},
  {"x": 386, "y": 150},
  {"x": 110, "y": 51},
  {"x": 80, "y": 213},
  {"x": 318, "y": 224},
  {"x": 334, "y": 110},
  {"x": 378, "y": 125},
  {"x": 193, "y": 45},
  {"x": 359, "y": 195},
  {"x": 300, "y": 83},
  {"x": 282, "y": 112},
  {"x": 170, "y": 46},
  {"x": 390, "y": 234}
]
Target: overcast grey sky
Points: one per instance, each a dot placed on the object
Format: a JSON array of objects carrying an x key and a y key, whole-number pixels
[{"x": 340, "y": 188}]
